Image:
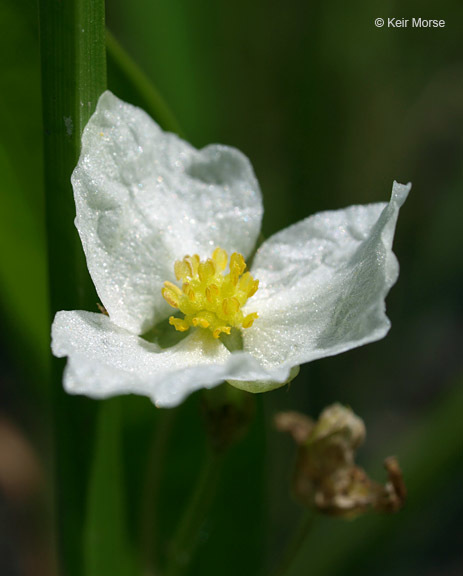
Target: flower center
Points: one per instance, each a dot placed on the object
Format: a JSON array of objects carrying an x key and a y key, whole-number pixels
[{"x": 209, "y": 298}]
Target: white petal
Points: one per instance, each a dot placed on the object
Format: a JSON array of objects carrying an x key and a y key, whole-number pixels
[
  {"x": 105, "y": 360},
  {"x": 145, "y": 198},
  {"x": 323, "y": 283}
]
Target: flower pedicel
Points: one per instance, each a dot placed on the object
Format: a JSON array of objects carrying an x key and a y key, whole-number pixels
[{"x": 166, "y": 230}]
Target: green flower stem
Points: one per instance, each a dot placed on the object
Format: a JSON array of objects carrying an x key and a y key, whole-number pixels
[
  {"x": 298, "y": 540},
  {"x": 151, "y": 493},
  {"x": 227, "y": 413},
  {"x": 185, "y": 539},
  {"x": 72, "y": 41},
  {"x": 120, "y": 63},
  {"x": 106, "y": 543}
]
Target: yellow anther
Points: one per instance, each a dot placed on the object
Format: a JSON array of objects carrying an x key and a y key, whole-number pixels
[
  {"x": 245, "y": 282},
  {"x": 182, "y": 270},
  {"x": 253, "y": 289},
  {"x": 212, "y": 292},
  {"x": 249, "y": 319},
  {"x": 220, "y": 329},
  {"x": 192, "y": 262},
  {"x": 172, "y": 287},
  {"x": 237, "y": 266},
  {"x": 189, "y": 291},
  {"x": 237, "y": 263},
  {"x": 171, "y": 294},
  {"x": 220, "y": 258},
  {"x": 188, "y": 261},
  {"x": 210, "y": 298},
  {"x": 198, "y": 321},
  {"x": 206, "y": 270},
  {"x": 230, "y": 306},
  {"x": 179, "y": 324}
]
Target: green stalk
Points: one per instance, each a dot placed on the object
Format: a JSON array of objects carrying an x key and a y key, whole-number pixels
[
  {"x": 186, "y": 537},
  {"x": 294, "y": 546},
  {"x": 106, "y": 543},
  {"x": 227, "y": 413},
  {"x": 138, "y": 86},
  {"x": 72, "y": 40},
  {"x": 157, "y": 460}
]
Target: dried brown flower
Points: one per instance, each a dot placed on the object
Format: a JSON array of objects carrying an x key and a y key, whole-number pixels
[{"x": 325, "y": 475}]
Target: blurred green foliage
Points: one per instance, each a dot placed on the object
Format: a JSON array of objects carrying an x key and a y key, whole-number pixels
[
  {"x": 330, "y": 109},
  {"x": 23, "y": 270}
]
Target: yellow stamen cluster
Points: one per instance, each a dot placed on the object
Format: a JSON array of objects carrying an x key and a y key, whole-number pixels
[{"x": 209, "y": 298}]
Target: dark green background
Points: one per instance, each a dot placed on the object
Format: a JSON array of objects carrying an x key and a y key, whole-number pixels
[{"x": 330, "y": 109}]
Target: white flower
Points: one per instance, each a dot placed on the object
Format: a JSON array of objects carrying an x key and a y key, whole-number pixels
[{"x": 146, "y": 199}]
